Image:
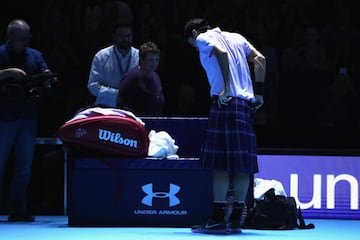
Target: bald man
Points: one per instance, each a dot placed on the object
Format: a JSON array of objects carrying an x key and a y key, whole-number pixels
[{"x": 18, "y": 115}]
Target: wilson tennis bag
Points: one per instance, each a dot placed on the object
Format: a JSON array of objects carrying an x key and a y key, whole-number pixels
[{"x": 106, "y": 131}]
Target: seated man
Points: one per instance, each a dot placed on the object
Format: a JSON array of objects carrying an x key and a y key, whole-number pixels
[{"x": 140, "y": 89}]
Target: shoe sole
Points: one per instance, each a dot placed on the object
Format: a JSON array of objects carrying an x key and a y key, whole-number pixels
[
  {"x": 233, "y": 231},
  {"x": 217, "y": 231},
  {"x": 210, "y": 231}
]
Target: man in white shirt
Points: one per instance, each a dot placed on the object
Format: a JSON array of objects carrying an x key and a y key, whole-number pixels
[
  {"x": 229, "y": 149},
  {"x": 110, "y": 64}
]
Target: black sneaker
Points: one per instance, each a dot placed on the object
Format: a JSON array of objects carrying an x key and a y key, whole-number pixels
[
  {"x": 210, "y": 227},
  {"x": 21, "y": 217},
  {"x": 235, "y": 218},
  {"x": 233, "y": 227}
]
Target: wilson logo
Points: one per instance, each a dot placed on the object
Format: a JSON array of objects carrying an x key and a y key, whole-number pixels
[{"x": 109, "y": 136}]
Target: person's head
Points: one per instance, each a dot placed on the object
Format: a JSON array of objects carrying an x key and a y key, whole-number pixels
[
  {"x": 122, "y": 35},
  {"x": 19, "y": 35},
  {"x": 149, "y": 57},
  {"x": 193, "y": 28}
]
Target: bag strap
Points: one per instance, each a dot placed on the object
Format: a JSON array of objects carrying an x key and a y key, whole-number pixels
[{"x": 301, "y": 224}]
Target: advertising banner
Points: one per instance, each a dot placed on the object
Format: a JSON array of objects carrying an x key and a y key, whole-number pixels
[{"x": 323, "y": 186}]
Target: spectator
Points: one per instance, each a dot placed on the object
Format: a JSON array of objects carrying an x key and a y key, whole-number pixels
[
  {"x": 140, "y": 90},
  {"x": 110, "y": 64},
  {"x": 18, "y": 114}
]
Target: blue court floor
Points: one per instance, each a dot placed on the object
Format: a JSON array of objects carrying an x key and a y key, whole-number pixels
[{"x": 56, "y": 228}]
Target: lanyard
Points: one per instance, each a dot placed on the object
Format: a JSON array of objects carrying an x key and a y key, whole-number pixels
[{"x": 122, "y": 71}]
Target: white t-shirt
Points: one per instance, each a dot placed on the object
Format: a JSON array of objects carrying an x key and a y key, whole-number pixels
[
  {"x": 238, "y": 48},
  {"x": 106, "y": 72}
]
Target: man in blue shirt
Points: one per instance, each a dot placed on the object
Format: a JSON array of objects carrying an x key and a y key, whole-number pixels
[{"x": 18, "y": 114}]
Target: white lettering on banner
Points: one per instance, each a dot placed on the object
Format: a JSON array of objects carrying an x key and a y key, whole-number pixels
[
  {"x": 106, "y": 135},
  {"x": 331, "y": 182},
  {"x": 316, "y": 199},
  {"x": 354, "y": 190}
]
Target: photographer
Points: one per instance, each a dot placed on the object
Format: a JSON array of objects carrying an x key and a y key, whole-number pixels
[{"x": 18, "y": 114}]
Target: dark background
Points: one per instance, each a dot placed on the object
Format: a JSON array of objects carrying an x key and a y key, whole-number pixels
[{"x": 305, "y": 107}]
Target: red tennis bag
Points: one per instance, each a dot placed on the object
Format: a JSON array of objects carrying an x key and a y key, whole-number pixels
[{"x": 108, "y": 131}]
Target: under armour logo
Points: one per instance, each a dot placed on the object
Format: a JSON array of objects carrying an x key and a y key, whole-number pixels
[{"x": 173, "y": 200}]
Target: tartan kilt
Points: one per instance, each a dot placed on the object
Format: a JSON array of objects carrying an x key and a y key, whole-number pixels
[{"x": 230, "y": 139}]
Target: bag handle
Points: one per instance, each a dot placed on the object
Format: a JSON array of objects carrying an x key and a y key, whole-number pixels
[{"x": 302, "y": 224}]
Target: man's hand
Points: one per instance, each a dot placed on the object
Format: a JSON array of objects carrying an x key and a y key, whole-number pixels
[
  {"x": 258, "y": 102},
  {"x": 223, "y": 99},
  {"x": 50, "y": 81}
]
